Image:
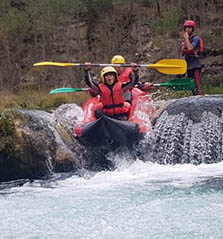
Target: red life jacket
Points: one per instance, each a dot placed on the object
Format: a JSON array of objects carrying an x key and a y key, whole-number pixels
[
  {"x": 185, "y": 51},
  {"x": 124, "y": 76},
  {"x": 113, "y": 100}
]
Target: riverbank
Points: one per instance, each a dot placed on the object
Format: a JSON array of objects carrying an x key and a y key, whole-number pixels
[{"x": 40, "y": 99}]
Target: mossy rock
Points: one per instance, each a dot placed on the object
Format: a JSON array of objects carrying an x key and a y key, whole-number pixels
[
  {"x": 7, "y": 131},
  {"x": 17, "y": 157}
]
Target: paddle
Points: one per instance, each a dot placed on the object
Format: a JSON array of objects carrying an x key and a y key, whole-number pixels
[
  {"x": 166, "y": 66},
  {"x": 68, "y": 90},
  {"x": 178, "y": 84}
]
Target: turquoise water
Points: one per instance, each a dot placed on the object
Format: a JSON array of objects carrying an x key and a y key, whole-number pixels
[{"x": 138, "y": 200}]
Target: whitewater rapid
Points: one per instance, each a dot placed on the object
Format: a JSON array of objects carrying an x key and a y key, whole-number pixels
[{"x": 137, "y": 200}]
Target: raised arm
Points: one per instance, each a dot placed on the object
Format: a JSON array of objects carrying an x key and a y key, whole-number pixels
[
  {"x": 130, "y": 84},
  {"x": 134, "y": 78},
  {"x": 88, "y": 79}
]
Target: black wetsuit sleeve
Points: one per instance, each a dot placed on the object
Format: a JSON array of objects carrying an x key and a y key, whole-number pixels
[
  {"x": 89, "y": 81},
  {"x": 136, "y": 75},
  {"x": 133, "y": 81}
]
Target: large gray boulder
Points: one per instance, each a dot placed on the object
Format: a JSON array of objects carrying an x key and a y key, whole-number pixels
[{"x": 190, "y": 130}]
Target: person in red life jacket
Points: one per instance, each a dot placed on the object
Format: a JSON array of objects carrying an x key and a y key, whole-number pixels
[
  {"x": 125, "y": 73},
  {"x": 192, "y": 48},
  {"x": 111, "y": 92}
]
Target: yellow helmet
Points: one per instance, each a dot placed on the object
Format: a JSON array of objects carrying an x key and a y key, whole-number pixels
[
  {"x": 106, "y": 70},
  {"x": 118, "y": 59}
]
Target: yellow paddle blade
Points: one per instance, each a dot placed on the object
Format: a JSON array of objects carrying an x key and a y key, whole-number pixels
[
  {"x": 48, "y": 63},
  {"x": 170, "y": 66}
]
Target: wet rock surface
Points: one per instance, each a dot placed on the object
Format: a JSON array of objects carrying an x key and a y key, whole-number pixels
[
  {"x": 188, "y": 131},
  {"x": 194, "y": 107}
]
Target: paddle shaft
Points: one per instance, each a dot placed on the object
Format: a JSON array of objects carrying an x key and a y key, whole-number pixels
[
  {"x": 94, "y": 64},
  {"x": 104, "y": 65},
  {"x": 156, "y": 85}
]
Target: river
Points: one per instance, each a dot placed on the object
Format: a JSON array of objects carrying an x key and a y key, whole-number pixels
[{"x": 137, "y": 200}]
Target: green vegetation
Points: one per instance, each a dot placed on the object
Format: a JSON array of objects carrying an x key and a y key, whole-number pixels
[
  {"x": 167, "y": 23},
  {"x": 34, "y": 99},
  {"x": 56, "y": 100}
]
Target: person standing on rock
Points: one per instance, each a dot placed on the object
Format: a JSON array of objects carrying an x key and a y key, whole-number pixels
[{"x": 192, "y": 49}]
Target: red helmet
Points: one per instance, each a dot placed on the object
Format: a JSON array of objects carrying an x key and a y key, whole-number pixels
[{"x": 189, "y": 23}]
